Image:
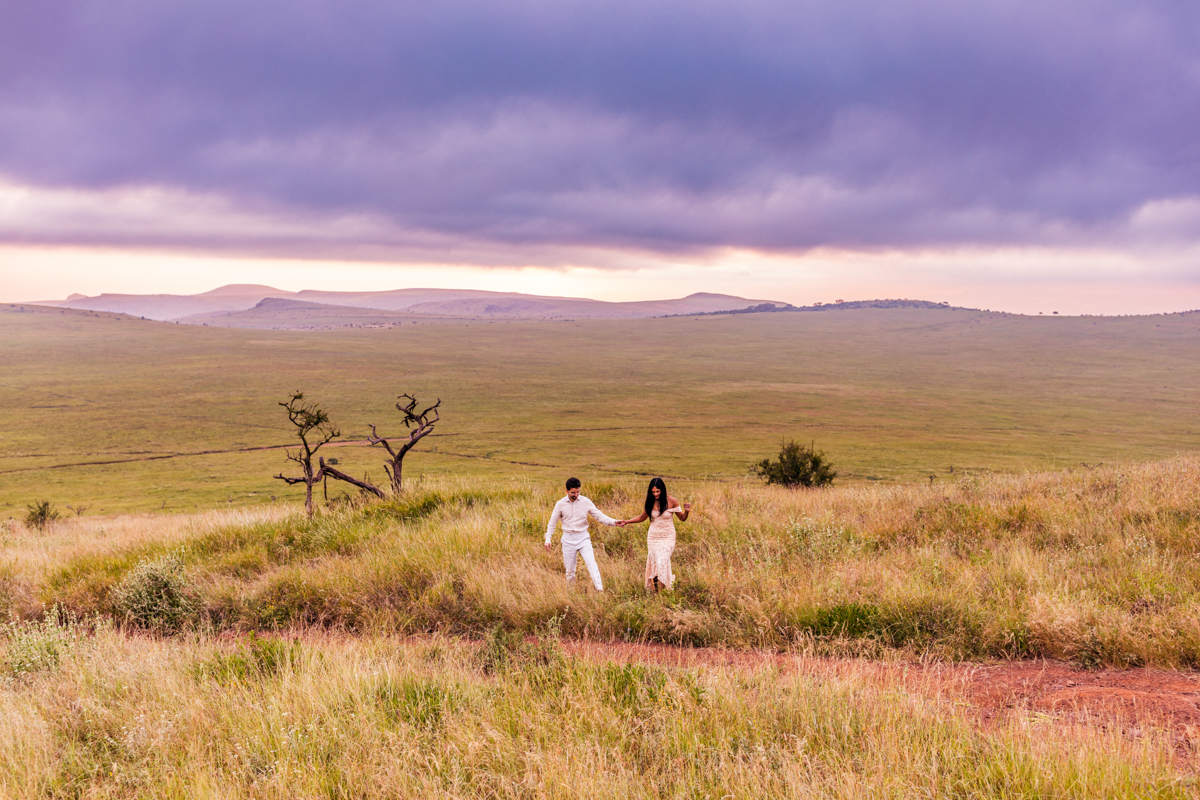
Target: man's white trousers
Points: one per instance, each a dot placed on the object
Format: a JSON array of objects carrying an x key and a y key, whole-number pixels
[{"x": 573, "y": 549}]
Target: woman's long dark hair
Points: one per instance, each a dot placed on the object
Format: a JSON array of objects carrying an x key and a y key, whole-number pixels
[{"x": 662, "y": 496}]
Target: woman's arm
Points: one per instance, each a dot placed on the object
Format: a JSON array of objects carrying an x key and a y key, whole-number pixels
[
  {"x": 639, "y": 518},
  {"x": 673, "y": 503}
]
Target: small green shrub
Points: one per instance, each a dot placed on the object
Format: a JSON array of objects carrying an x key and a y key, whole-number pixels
[
  {"x": 86, "y": 583},
  {"x": 37, "y": 646},
  {"x": 41, "y": 515},
  {"x": 156, "y": 595},
  {"x": 797, "y": 466}
]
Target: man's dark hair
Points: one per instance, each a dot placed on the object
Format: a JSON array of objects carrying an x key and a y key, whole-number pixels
[{"x": 573, "y": 483}]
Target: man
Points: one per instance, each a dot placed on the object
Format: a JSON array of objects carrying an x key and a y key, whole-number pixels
[{"x": 573, "y": 511}]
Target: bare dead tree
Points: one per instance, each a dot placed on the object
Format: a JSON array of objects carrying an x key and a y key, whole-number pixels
[
  {"x": 314, "y": 429},
  {"x": 420, "y": 424}
]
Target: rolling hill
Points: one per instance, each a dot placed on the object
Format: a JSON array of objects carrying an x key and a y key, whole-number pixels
[{"x": 238, "y": 306}]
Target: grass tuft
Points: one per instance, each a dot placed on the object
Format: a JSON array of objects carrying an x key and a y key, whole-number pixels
[{"x": 259, "y": 658}]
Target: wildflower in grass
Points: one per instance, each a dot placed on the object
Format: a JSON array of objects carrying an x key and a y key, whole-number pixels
[{"x": 38, "y": 646}]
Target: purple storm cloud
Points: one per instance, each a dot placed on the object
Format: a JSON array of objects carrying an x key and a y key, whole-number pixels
[{"x": 658, "y": 126}]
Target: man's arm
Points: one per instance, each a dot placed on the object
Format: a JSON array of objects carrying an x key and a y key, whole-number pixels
[
  {"x": 554, "y": 517},
  {"x": 600, "y": 516}
]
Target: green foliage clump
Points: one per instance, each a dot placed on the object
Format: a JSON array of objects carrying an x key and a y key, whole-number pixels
[
  {"x": 41, "y": 515},
  {"x": 498, "y": 649},
  {"x": 37, "y": 646},
  {"x": 422, "y": 703},
  {"x": 292, "y": 598},
  {"x": 156, "y": 595},
  {"x": 797, "y": 466},
  {"x": 264, "y": 656},
  {"x": 633, "y": 687},
  {"x": 503, "y": 649},
  {"x": 407, "y": 508}
]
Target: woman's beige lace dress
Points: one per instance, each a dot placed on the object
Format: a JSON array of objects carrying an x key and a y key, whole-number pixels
[{"x": 660, "y": 544}]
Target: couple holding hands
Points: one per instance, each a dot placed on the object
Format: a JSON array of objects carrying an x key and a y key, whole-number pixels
[{"x": 573, "y": 511}]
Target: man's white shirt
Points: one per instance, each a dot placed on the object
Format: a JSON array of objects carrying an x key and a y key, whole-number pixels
[{"x": 574, "y": 518}]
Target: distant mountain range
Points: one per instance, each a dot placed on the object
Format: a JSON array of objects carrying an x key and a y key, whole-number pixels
[{"x": 252, "y": 305}]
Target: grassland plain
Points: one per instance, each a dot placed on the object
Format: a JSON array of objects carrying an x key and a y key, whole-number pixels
[
  {"x": 380, "y": 650},
  {"x": 1098, "y": 567},
  {"x": 118, "y": 414}
]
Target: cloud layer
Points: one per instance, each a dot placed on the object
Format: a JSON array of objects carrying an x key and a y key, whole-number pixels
[{"x": 380, "y": 128}]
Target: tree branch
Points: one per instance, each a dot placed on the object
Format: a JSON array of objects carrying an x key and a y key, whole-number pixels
[
  {"x": 375, "y": 438},
  {"x": 337, "y": 474}
]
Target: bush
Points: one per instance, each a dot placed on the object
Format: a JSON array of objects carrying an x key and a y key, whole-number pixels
[
  {"x": 155, "y": 594},
  {"x": 37, "y": 646},
  {"x": 41, "y": 515},
  {"x": 797, "y": 466}
]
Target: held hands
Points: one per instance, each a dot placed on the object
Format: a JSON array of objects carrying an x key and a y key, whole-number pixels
[{"x": 621, "y": 523}]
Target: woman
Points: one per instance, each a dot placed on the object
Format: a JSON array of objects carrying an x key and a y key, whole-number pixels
[{"x": 660, "y": 538}]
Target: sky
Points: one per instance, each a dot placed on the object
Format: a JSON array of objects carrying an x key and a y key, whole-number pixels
[{"x": 1023, "y": 156}]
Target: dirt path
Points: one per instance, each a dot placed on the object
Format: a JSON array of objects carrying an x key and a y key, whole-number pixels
[{"x": 1132, "y": 700}]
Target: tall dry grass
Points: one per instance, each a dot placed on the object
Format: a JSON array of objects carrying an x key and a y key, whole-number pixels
[
  {"x": 1100, "y": 566},
  {"x": 340, "y": 716}
]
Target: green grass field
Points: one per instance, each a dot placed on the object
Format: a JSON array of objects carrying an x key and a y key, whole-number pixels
[{"x": 120, "y": 414}]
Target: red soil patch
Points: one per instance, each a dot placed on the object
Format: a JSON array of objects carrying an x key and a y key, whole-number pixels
[{"x": 1169, "y": 699}]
